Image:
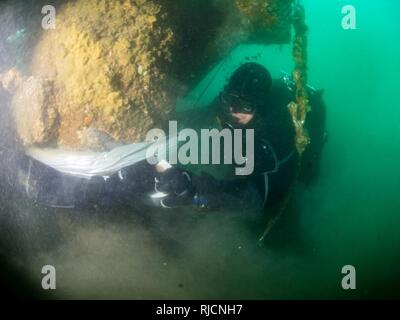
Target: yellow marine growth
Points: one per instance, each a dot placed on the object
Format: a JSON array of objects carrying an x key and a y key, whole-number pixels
[
  {"x": 300, "y": 107},
  {"x": 119, "y": 65},
  {"x": 108, "y": 63},
  {"x": 270, "y": 17}
]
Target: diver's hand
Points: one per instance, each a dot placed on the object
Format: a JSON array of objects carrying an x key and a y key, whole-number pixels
[{"x": 174, "y": 182}]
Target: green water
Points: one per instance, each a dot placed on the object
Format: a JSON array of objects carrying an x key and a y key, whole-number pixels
[
  {"x": 353, "y": 212},
  {"x": 350, "y": 216}
]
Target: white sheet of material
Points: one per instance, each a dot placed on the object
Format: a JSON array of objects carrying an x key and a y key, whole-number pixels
[{"x": 89, "y": 164}]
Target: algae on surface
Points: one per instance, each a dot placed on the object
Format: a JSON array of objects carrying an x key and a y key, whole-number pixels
[
  {"x": 119, "y": 66},
  {"x": 107, "y": 60}
]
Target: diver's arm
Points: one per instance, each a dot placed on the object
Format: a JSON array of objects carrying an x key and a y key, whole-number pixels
[
  {"x": 204, "y": 191},
  {"x": 200, "y": 190},
  {"x": 212, "y": 193},
  {"x": 49, "y": 187},
  {"x": 130, "y": 186}
]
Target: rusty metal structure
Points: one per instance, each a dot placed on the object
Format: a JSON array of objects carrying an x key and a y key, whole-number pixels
[{"x": 119, "y": 66}]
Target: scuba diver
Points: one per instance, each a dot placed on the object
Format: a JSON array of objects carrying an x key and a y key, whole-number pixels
[{"x": 251, "y": 99}]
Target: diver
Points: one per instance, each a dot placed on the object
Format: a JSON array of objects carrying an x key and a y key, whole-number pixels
[{"x": 251, "y": 99}]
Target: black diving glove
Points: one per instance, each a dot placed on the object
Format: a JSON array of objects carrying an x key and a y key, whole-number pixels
[
  {"x": 177, "y": 184},
  {"x": 174, "y": 182},
  {"x": 184, "y": 189}
]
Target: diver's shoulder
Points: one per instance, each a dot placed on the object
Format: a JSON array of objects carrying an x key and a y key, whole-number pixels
[
  {"x": 285, "y": 83},
  {"x": 281, "y": 89}
]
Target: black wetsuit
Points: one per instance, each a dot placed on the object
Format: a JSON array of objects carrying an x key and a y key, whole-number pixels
[
  {"x": 276, "y": 163},
  {"x": 276, "y": 160},
  {"x": 50, "y": 187}
]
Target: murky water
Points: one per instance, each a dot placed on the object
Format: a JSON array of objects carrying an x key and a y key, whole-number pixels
[{"x": 350, "y": 216}]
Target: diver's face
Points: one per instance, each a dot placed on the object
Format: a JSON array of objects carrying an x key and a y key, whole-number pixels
[{"x": 238, "y": 112}]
